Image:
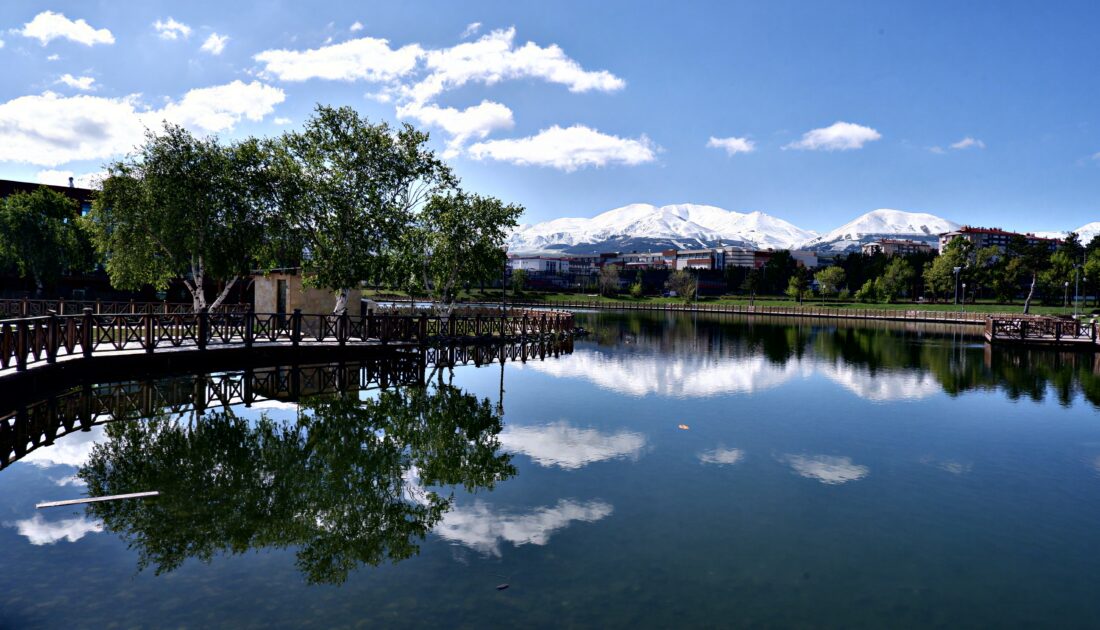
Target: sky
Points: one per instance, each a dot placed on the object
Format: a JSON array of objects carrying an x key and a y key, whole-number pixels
[{"x": 983, "y": 113}]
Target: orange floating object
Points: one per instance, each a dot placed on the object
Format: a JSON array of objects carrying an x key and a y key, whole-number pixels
[{"x": 684, "y": 427}]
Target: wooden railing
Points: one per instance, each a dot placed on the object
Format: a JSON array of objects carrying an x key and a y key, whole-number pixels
[
  {"x": 43, "y": 339},
  {"x": 961, "y": 317},
  {"x": 1039, "y": 329},
  {"x": 27, "y": 307}
]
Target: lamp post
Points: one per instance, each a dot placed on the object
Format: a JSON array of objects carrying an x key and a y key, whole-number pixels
[
  {"x": 1076, "y": 288},
  {"x": 1065, "y": 295},
  {"x": 962, "y": 306},
  {"x": 956, "y": 270}
]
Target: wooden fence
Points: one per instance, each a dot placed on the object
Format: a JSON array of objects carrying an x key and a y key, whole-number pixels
[
  {"x": 27, "y": 307},
  {"x": 43, "y": 339},
  {"x": 1040, "y": 330}
]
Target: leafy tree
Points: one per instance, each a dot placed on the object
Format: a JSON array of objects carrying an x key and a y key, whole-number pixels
[
  {"x": 752, "y": 284},
  {"x": 183, "y": 207},
  {"x": 869, "y": 292},
  {"x": 776, "y": 272},
  {"x": 683, "y": 283},
  {"x": 637, "y": 290},
  {"x": 1030, "y": 259},
  {"x": 609, "y": 280},
  {"x": 829, "y": 280},
  {"x": 895, "y": 279},
  {"x": 458, "y": 239},
  {"x": 798, "y": 283},
  {"x": 519, "y": 281},
  {"x": 939, "y": 274},
  {"x": 348, "y": 191},
  {"x": 348, "y": 482},
  {"x": 40, "y": 236},
  {"x": 1091, "y": 272}
]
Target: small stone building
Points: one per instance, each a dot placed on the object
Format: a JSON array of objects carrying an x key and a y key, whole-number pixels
[{"x": 282, "y": 291}]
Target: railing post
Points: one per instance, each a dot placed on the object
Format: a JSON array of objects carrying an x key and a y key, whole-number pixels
[
  {"x": 21, "y": 344},
  {"x": 203, "y": 328},
  {"x": 150, "y": 338},
  {"x": 342, "y": 328},
  {"x": 87, "y": 330},
  {"x": 368, "y": 325},
  {"x": 249, "y": 327},
  {"x": 296, "y": 327},
  {"x": 24, "y": 308},
  {"x": 98, "y": 307},
  {"x": 132, "y": 307},
  {"x": 52, "y": 330},
  {"x": 451, "y": 325}
]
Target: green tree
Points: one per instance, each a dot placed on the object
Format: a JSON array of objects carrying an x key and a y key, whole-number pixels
[
  {"x": 348, "y": 193},
  {"x": 637, "y": 290},
  {"x": 40, "y": 236},
  {"x": 829, "y": 280},
  {"x": 895, "y": 279},
  {"x": 683, "y": 283},
  {"x": 751, "y": 284},
  {"x": 797, "y": 284},
  {"x": 939, "y": 274},
  {"x": 609, "y": 280},
  {"x": 183, "y": 207},
  {"x": 1091, "y": 273},
  {"x": 458, "y": 239},
  {"x": 1030, "y": 259},
  {"x": 519, "y": 281}
]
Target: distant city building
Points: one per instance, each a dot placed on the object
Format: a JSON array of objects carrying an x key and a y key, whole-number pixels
[
  {"x": 697, "y": 259},
  {"x": 986, "y": 237},
  {"x": 805, "y": 258},
  {"x": 895, "y": 247},
  {"x": 82, "y": 196},
  {"x": 539, "y": 264},
  {"x": 642, "y": 260}
]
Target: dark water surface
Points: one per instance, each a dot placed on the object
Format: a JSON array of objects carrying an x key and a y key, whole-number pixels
[{"x": 830, "y": 475}]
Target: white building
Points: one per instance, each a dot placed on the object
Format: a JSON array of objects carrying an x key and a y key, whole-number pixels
[{"x": 539, "y": 264}]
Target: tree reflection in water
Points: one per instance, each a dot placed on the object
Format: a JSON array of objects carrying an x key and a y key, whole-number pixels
[{"x": 349, "y": 482}]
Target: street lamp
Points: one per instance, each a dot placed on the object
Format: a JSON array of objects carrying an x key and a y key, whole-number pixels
[
  {"x": 1065, "y": 296},
  {"x": 962, "y": 307},
  {"x": 956, "y": 270},
  {"x": 1076, "y": 288}
]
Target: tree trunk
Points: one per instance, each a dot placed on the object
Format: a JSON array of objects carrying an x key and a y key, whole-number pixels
[
  {"x": 221, "y": 296},
  {"x": 341, "y": 302},
  {"x": 1030, "y": 293}
]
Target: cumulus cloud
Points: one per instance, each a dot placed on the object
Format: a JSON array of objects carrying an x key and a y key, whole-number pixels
[
  {"x": 53, "y": 57},
  {"x": 968, "y": 143},
  {"x": 568, "y": 447},
  {"x": 483, "y": 528},
  {"x": 172, "y": 30},
  {"x": 366, "y": 58},
  {"x": 567, "y": 149},
  {"x": 495, "y": 57},
  {"x": 826, "y": 469},
  {"x": 471, "y": 29},
  {"x": 61, "y": 178},
  {"x": 49, "y": 129},
  {"x": 732, "y": 145},
  {"x": 722, "y": 456},
  {"x": 48, "y": 26},
  {"x": 39, "y": 531},
  {"x": 215, "y": 44},
  {"x": 476, "y": 121},
  {"x": 78, "y": 83},
  {"x": 281, "y": 120},
  {"x": 357, "y": 26},
  {"x": 1, "y": 43},
  {"x": 839, "y": 136}
]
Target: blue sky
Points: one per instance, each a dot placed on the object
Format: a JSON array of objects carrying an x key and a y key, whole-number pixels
[{"x": 573, "y": 108}]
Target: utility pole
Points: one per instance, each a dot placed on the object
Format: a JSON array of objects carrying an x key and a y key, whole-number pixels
[{"x": 956, "y": 270}]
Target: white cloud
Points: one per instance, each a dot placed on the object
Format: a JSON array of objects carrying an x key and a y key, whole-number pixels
[
  {"x": 826, "y": 469},
  {"x": 839, "y": 136},
  {"x": 171, "y": 29},
  {"x": 53, "y": 57},
  {"x": 79, "y": 83},
  {"x": 568, "y": 447},
  {"x": 61, "y": 178},
  {"x": 280, "y": 120},
  {"x": 366, "y": 58},
  {"x": 937, "y": 150},
  {"x": 49, "y": 129},
  {"x": 215, "y": 44},
  {"x": 567, "y": 149},
  {"x": 968, "y": 143},
  {"x": 732, "y": 145},
  {"x": 483, "y": 529},
  {"x": 39, "y": 531},
  {"x": 1, "y": 43},
  {"x": 72, "y": 450},
  {"x": 471, "y": 29},
  {"x": 48, "y": 26},
  {"x": 476, "y": 121},
  {"x": 357, "y": 26},
  {"x": 722, "y": 456},
  {"x": 494, "y": 58}
]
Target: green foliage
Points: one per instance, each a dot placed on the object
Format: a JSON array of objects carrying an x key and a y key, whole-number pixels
[
  {"x": 895, "y": 280},
  {"x": 40, "y": 236},
  {"x": 751, "y": 284},
  {"x": 829, "y": 280},
  {"x": 350, "y": 482},
  {"x": 797, "y": 284},
  {"x": 182, "y": 207},
  {"x": 609, "y": 280},
  {"x": 519, "y": 281},
  {"x": 683, "y": 283},
  {"x": 939, "y": 274},
  {"x": 348, "y": 191}
]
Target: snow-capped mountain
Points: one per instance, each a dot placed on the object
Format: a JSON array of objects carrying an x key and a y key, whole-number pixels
[
  {"x": 882, "y": 223},
  {"x": 646, "y": 227},
  {"x": 1085, "y": 233}
]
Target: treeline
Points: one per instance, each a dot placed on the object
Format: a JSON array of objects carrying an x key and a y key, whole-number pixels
[{"x": 345, "y": 199}]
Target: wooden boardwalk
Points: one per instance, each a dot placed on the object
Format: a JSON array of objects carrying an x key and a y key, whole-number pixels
[{"x": 1042, "y": 331}]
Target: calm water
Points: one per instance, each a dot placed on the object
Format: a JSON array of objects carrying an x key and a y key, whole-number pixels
[{"x": 828, "y": 476}]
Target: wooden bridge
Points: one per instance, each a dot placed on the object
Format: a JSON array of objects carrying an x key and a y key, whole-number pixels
[
  {"x": 37, "y": 422},
  {"x": 48, "y": 339},
  {"x": 1042, "y": 331}
]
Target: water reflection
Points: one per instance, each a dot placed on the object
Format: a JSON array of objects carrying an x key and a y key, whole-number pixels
[
  {"x": 826, "y": 468},
  {"x": 483, "y": 528},
  {"x": 39, "y": 531},
  {"x": 695, "y": 356},
  {"x": 722, "y": 456},
  {"x": 565, "y": 446},
  {"x": 332, "y": 483}
]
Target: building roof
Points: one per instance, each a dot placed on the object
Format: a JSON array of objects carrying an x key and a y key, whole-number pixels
[
  {"x": 80, "y": 195},
  {"x": 967, "y": 229}
]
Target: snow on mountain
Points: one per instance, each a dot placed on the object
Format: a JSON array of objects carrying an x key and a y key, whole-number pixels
[
  {"x": 1085, "y": 233},
  {"x": 645, "y": 225},
  {"x": 882, "y": 223}
]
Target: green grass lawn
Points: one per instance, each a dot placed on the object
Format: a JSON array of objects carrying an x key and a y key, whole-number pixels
[{"x": 551, "y": 298}]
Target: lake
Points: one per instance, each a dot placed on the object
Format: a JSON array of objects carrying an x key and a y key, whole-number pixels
[{"x": 670, "y": 470}]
